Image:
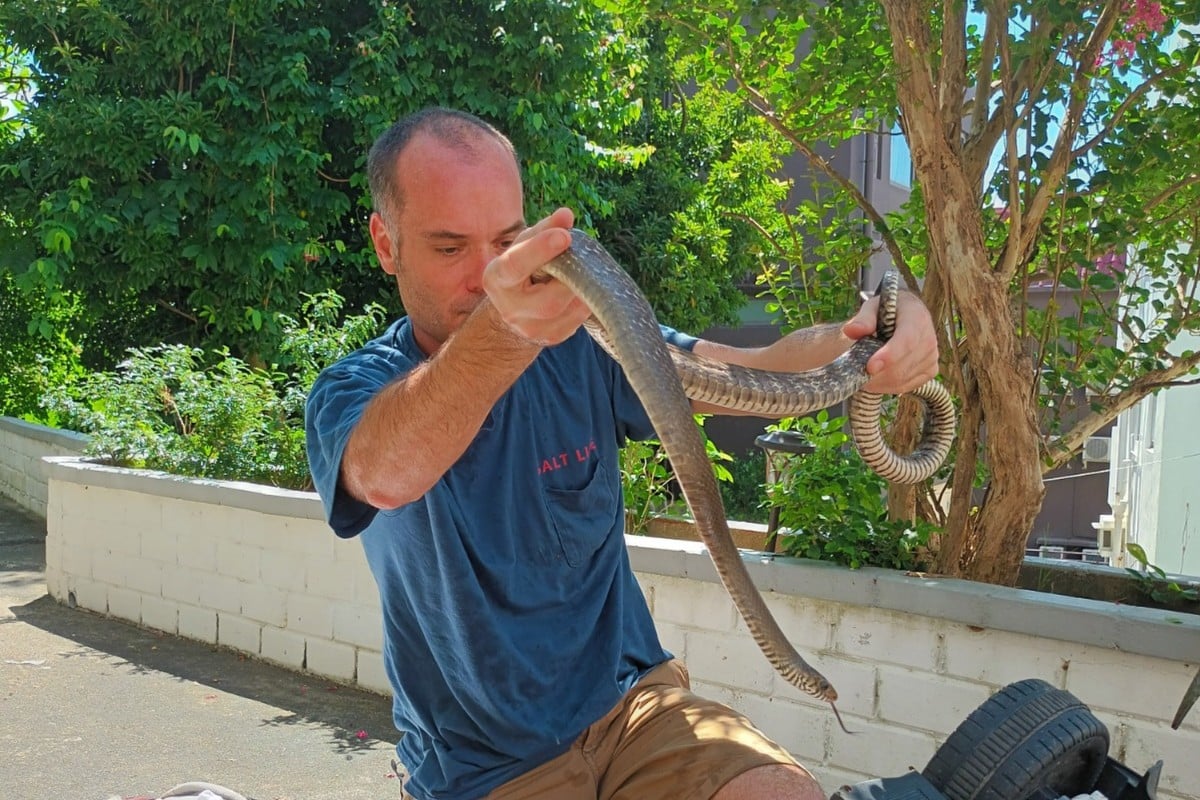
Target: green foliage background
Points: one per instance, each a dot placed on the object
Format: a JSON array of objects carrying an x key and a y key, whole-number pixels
[{"x": 188, "y": 172}]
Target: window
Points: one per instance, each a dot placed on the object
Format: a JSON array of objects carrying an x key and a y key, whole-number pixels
[{"x": 900, "y": 169}]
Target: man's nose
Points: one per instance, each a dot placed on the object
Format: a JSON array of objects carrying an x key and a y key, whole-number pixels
[{"x": 473, "y": 280}]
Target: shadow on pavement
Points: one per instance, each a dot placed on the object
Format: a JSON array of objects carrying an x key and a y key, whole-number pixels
[{"x": 303, "y": 699}]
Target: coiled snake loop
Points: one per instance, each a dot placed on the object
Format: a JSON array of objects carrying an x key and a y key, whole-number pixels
[{"x": 665, "y": 378}]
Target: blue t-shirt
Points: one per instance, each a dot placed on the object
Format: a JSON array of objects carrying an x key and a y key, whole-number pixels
[{"x": 512, "y": 619}]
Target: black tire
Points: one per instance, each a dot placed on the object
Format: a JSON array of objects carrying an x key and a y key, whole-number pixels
[{"x": 1027, "y": 738}]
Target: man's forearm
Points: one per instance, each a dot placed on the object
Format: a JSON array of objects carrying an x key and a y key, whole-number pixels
[
  {"x": 800, "y": 350},
  {"x": 419, "y": 425}
]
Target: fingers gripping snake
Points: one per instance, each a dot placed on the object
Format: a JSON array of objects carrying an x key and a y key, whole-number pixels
[{"x": 665, "y": 377}]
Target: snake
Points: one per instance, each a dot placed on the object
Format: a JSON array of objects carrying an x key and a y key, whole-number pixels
[{"x": 667, "y": 379}]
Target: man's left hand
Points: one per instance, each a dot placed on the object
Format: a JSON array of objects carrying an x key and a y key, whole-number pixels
[{"x": 910, "y": 358}]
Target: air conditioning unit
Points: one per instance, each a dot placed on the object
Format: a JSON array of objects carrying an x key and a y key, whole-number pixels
[{"x": 1097, "y": 449}]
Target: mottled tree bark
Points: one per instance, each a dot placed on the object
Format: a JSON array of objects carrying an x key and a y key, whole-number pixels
[{"x": 987, "y": 545}]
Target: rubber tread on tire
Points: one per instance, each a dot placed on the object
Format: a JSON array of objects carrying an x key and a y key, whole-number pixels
[{"x": 1027, "y": 737}]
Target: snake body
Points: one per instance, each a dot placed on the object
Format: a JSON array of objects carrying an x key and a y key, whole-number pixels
[{"x": 664, "y": 378}]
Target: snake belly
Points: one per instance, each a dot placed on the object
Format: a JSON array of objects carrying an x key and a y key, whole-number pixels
[{"x": 625, "y": 325}]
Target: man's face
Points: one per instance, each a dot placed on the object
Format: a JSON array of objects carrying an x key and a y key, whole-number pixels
[{"x": 461, "y": 209}]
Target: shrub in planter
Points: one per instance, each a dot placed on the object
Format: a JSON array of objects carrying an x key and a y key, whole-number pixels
[
  {"x": 648, "y": 485},
  {"x": 833, "y": 508},
  {"x": 209, "y": 414}
]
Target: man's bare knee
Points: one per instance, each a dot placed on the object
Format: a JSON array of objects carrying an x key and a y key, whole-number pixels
[{"x": 772, "y": 782}]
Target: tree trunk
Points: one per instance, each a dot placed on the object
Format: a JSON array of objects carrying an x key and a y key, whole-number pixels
[
  {"x": 991, "y": 545},
  {"x": 988, "y": 545}
]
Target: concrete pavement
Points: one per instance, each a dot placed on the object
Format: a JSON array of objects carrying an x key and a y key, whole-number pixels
[{"x": 92, "y": 707}]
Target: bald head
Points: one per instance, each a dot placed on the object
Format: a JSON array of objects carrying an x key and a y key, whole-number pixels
[{"x": 454, "y": 129}]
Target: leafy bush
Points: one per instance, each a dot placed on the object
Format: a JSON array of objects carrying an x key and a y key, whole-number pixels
[
  {"x": 37, "y": 349},
  {"x": 648, "y": 485},
  {"x": 185, "y": 411},
  {"x": 835, "y": 509},
  {"x": 164, "y": 408},
  {"x": 1154, "y": 582},
  {"x": 204, "y": 161},
  {"x": 744, "y": 494}
]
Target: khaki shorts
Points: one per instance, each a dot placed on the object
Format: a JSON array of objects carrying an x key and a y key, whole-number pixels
[{"x": 660, "y": 742}]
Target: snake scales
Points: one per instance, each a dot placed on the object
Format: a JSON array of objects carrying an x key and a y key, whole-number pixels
[{"x": 665, "y": 378}]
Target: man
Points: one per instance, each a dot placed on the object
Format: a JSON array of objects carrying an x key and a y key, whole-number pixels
[{"x": 522, "y": 655}]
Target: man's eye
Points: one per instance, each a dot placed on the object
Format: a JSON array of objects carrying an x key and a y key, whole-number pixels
[
  {"x": 449, "y": 251},
  {"x": 504, "y": 244}
]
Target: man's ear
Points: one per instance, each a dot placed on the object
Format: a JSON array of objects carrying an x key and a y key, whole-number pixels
[{"x": 386, "y": 248}]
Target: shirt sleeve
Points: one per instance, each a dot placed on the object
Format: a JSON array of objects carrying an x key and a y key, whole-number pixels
[
  {"x": 633, "y": 423},
  {"x": 683, "y": 341},
  {"x": 335, "y": 404}
]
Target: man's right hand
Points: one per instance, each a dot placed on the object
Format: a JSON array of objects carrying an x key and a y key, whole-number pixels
[{"x": 545, "y": 312}]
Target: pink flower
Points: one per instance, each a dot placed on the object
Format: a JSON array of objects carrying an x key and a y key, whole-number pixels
[
  {"x": 1145, "y": 17},
  {"x": 361, "y": 735}
]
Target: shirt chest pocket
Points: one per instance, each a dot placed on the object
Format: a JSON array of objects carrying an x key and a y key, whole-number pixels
[{"x": 582, "y": 518}]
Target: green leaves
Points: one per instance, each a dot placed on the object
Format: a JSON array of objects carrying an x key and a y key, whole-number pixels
[
  {"x": 180, "y": 139},
  {"x": 223, "y": 146},
  {"x": 835, "y": 509},
  {"x": 1153, "y": 581},
  {"x": 647, "y": 483},
  {"x": 209, "y": 414}
]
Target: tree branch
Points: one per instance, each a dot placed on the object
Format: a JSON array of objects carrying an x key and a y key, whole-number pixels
[
  {"x": 983, "y": 140},
  {"x": 332, "y": 179},
  {"x": 1062, "y": 448},
  {"x": 983, "y": 78},
  {"x": 1169, "y": 192},
  {"x": 158, "y": 301},
  {"x": 1060, "y": 157},
  {"x": 952, "y": 78},
  {"x": 763, "y": 107},
  {"x": 1126, "y": 104},
  {"x": 1008, "y": 260}
]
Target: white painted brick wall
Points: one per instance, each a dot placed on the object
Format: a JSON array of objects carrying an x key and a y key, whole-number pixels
[
  {"x": 282, "y": 587},
  {"x": 1119, "y": 682},
  {"x": 90, "y": 595},
  {"x": 198, "y": 623},
  {"x": 195, "y": 550},
  {"x": 222, "y": 593},
  {"x": 160, "y": 613},
  {"x": 75, "y": 560},
  {"x": 904, "y": 699},
  {"x": 144, "y": 576},
  {"x": 160, "y": 546},
  {"x": 125, "y": 604},
  {"x": 371, "y": 674},
  {"x": 359, "y": 625},
  {"x": 264, "y": 603},
  {"x": 727, "y": 659},
  {"x": 331, "y": 581},
  {"x": 1148, "y": 742},
  {"x": 998, "y": 658},
  {"x": 183, "y": 583},
  {"x": 22, "y": 448},
  {"x": 705, "y": 606},
  {"x": 887, "y": 637},
  {"x": 239, "y": 633},
  {"x": 309, "y": 615},
  {"x": 803, "y": 730},
  {"x": 808, "y": 623},
  {"x": 335, "y": 659},
  {"x": 283, "y": 647},
  {"x": 855, "y": 682},
  {"x": 238, "y": 561},
  {"x": 283, "y": 570},
  {"x": 889, "y": 750}
]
